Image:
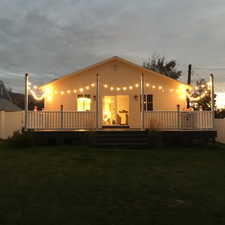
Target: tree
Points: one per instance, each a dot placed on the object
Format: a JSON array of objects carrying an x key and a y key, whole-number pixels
[
  {"x": 201, "y": 96},
  {"x": 160, "y": 65}
]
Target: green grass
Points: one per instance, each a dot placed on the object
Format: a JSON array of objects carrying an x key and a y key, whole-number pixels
[{"x": 69, "y": 185}]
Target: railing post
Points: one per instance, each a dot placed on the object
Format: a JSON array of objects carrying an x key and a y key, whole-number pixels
[
  {"x": 61, "y": 115},
  {"x": 26, "y": 102},
  {"x": 178, "y": 116},
  {"x": 142, "y": 101},
  {"x": 97, "y": 101}
]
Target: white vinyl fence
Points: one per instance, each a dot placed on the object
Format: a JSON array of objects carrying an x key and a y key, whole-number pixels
[
  {"x": 220, "y": 127},
  {"x": 178, "y": 120},
  {"x": 10, "y": 122}
]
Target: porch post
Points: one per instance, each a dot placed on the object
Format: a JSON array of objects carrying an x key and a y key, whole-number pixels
[
  {"x": 97, "y": 101},
  {"x": 26, "y": 101},
  {"x": 142, "y": 101},
  {"x": 212, "y": 98}
]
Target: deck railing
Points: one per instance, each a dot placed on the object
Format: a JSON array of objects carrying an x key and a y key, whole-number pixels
[
  {"x": 61, "y": 120},
  {"x": 179, "y": 120},
  {"x": 152, "y": 120}
]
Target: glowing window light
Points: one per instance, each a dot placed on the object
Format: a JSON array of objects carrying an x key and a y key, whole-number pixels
[
  {"x": 81, "y": 89},
  {"x": 136, "y": 85},
  {"x": 153, "y": 86},
  {"x": 147, "y": 85},
  {"x": 83, "y": 104},
  {"x": 131, "y": 87},
  {"x": 124, "y": 88},
  {"x": 92, "y": 84},
  {"x": 74, "y": 91},
  {"x": 112, "y": 88},
  {"x": 68, "y": 91},
  {"x": 105, "y": 86},
  {"x": 118, "y": 89}
]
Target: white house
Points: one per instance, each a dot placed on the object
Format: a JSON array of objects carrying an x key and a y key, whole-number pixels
[{"x": 109, "y": 94}]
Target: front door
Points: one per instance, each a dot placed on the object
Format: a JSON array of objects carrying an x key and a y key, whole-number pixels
[{"x": 115, "y": 110}]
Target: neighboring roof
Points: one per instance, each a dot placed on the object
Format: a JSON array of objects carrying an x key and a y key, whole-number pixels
[
  {"x": 112, "y": 59},
  {"x": 3, "y": 91},
  {"x": 6, "y": 105}
]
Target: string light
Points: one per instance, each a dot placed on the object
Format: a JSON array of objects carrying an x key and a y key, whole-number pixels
[
  {"x": 68, "y": 91},
  {"x": 62, "y": 92},
  {"x": 36, "y": 97},
  {"x": 131, "y": 87},
  {"x": 147, "y": 85},
  {"x": 136, "y": 85},
  {"x": 112, "y": 88},
  {"x": 105, "y": 86},
  {"x": 74, "y": 91},
  {"x": 124, "y": 88}
]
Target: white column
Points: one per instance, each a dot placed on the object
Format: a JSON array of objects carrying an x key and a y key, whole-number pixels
[
  {"x": 26, "y": 102},
  {"x": 97, "y": 101},
  {"x": 142, "y": 101},
  {"x": 212, "y": 98}
]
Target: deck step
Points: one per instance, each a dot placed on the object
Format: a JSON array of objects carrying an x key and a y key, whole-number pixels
[{"x": 121, "y": 139}]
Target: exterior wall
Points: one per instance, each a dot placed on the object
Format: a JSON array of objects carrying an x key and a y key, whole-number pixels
[
  {"x": 116, "y": 74},
  {"x": 220, "y": 127}
]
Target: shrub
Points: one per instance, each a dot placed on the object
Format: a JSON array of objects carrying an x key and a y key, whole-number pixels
[{"x": 21, "y": 140}]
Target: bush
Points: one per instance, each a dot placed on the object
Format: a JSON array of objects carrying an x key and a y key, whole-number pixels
[{"x": 21, "y": 140}]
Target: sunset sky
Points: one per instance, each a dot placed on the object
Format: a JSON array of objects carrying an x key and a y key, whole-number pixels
[{"x": 49, "y": 38}]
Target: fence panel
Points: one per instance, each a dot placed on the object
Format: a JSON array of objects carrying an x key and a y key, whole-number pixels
[
  {"x": 220, "y": 127},
  {"x": 10, "y": 122}
]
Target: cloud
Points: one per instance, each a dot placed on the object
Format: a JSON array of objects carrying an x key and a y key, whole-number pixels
[{"x": 49, "y": 38}]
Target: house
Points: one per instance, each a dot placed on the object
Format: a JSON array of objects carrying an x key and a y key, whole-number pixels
[
  {"x": 6, "y": 103},
  {"x": 113, "y": 88}
]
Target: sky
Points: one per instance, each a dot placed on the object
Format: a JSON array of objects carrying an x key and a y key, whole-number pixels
[{"x": 50, "y": 38}]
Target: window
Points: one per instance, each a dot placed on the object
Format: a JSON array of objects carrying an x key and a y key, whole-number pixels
[
  {"x": 83, "y": 103},
  {"x": 148, "y": 103}
]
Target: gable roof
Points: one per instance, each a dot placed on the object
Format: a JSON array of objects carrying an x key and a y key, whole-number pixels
[{"x": 112, "y": 59}]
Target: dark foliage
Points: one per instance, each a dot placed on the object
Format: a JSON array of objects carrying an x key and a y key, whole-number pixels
[{"x": 160, "y": 65}]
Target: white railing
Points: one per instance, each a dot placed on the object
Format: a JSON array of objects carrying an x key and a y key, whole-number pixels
[
  {"x": 178, "y": 120},
  {"x": 61, "y": 120},
  {"x": 152, "y": 120}
]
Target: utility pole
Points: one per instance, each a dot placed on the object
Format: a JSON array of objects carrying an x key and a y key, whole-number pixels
[
  {"x": 189, "y": 83},
  {"x": 26, "y": 101},
  {"x": 212, "y": 97}
]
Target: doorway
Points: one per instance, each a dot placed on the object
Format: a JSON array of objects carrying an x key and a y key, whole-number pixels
[{"x": 115, "y": 110}]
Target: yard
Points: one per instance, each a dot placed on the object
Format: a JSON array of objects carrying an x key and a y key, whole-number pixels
[{"x": 69, "y": 185}]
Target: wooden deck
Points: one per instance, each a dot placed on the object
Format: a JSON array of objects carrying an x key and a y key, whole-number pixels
[{"x": 124, "y": 137}]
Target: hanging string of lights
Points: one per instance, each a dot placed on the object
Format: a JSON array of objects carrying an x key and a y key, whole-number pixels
[{"x": 49, "y": 92}]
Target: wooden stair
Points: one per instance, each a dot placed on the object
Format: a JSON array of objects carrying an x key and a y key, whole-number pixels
[{"x": 122, "y": 138}]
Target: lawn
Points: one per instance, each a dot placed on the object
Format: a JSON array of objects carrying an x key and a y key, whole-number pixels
[{"x": 78, "y": 185}]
